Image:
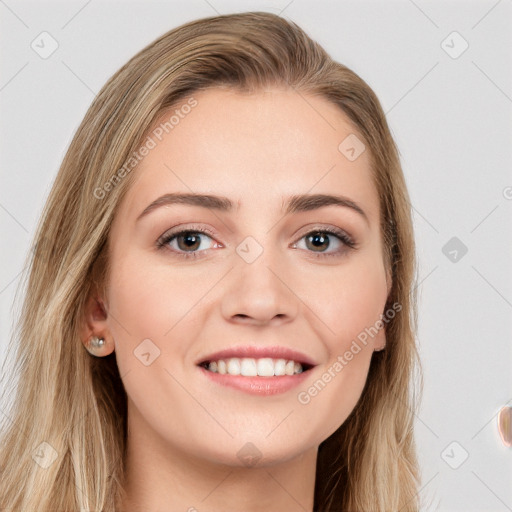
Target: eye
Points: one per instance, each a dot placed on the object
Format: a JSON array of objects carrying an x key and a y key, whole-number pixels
[
  {"x": 321, "y": 240},
  {"x": 186, "y": 243}
]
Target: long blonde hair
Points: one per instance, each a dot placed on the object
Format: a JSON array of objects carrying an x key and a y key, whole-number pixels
[{"x": 70, "y": 406}]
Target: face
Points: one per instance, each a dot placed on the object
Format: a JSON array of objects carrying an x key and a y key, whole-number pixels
[{"x": 304, "y": 276}]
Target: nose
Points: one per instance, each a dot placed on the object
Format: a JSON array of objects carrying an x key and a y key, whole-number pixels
[{"x": 260, "y": 292}]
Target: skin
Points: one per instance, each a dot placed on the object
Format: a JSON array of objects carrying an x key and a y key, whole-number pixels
[{"x": 184, "y": 430}]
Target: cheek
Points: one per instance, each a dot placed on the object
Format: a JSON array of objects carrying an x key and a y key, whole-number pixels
[
  {"x": 141, "y": 307},
  {"x": 352, "y": 301},
  {"x": 154, "y": 322},
  {"x": 349, "y": 306},
  {"x": 149, "y": 302}
]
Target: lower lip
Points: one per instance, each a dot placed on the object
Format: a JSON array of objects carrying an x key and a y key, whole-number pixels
[{"x": 263, "y": 386}]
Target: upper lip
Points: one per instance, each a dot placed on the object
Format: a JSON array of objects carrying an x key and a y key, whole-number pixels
[{"x": 256, "y": 352}]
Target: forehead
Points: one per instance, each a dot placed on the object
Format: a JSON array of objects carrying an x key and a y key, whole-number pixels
[{"x": 256, "y": 147}]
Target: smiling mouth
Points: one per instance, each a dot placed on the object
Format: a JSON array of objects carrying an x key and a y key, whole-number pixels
[{"x": 256, "y": 367}]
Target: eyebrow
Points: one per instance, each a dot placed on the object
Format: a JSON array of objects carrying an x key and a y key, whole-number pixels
[{"x": 294, "y": 204}]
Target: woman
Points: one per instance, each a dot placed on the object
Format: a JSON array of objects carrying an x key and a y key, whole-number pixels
[{"x": 230, "y": 239}]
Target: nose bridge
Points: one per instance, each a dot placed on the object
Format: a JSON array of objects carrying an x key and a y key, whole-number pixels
[
  {"x": 258, "y": 280},
  {"x": 255, "y": 261},
  {"x": 259, "y": 247},
  {"x": 258, "y": 261}
]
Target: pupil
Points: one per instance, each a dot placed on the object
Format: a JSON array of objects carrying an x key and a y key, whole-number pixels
[
  {"x": 319, "y": 239},
  {"x": 190, "y": 241}
]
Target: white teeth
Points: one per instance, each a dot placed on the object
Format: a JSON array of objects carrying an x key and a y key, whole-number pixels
[
  {"x": 265, "y": 367},
  {"x": 221, "y": 366},
  {"x": 234, "y": 366},
  {"x": 280, "y": 367},
  {"x": 250, "y": 367}
]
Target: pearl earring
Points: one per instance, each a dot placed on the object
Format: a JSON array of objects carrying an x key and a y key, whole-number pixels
[{"x": 95, "y": 344}]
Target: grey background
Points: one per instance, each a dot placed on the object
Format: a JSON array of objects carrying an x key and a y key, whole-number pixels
[{"x": 451, "y": 120}]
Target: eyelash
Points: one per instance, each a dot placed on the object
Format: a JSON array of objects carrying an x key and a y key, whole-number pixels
[{"x": 341, "y": 235}]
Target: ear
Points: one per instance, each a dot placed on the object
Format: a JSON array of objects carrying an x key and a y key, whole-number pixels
[
  {"x": 380, "y": 338},
  {"x": 379, "y": 342},
  {"x": 389, "y": 281},
  {"x": 94, "y": 323}
]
